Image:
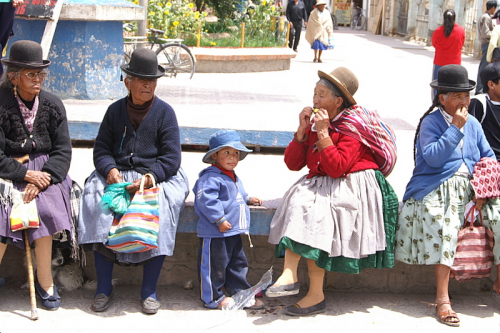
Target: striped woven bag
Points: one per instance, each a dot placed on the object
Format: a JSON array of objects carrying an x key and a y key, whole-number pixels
[
  {"x": 137, "y": 230},
  {"x": 474, "y": 254}
]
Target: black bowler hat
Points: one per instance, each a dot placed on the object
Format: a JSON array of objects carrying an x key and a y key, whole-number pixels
[
  {"x": 144, "y": 65},
  {"x": 26, "y": 54},
  {"x": 453, "y": 78}
]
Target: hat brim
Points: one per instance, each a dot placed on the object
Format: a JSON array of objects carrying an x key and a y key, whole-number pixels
[
  {"x": 8, "y": 62},
  {"x": 434, "y": 84},
  {"x": 339, "y": 85},
  {"x": 159, "y": 73},
  {"x": 236, "y": 145}
]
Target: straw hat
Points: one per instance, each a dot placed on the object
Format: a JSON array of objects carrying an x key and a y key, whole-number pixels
[{"x": 344, "y": 80}]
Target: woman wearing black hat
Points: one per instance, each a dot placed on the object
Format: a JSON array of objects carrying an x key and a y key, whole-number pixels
[
  {"x": 448, "y": 144},
  {"x": 138, "y": 135},
  {"x": 35, "y": 155}
]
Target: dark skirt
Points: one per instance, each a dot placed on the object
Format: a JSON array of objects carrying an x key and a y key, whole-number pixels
[
  {"x": 381, "y": 259},
  {"x": 53, "y": 206}
]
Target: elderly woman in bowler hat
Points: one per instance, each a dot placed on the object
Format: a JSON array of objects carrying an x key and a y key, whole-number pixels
[
  {"x": 448, "y": 143},
  {"x": 35, "y": 155},
  {"x": 342, "y": 216},
  {"x": 139, "y": 134}
]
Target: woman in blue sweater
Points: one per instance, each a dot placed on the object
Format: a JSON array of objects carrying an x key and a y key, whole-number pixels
[
  {"x": 138, "y": 135},
  {"x": 448, "y": 143}
]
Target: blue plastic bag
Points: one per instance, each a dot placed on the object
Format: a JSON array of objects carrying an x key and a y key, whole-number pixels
[
  {"x": 116, "y": 197},
  {"x": 331, "y": 43}
]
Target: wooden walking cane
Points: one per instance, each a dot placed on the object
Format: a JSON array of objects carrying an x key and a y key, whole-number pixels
[{"x": 31, "y": 277}]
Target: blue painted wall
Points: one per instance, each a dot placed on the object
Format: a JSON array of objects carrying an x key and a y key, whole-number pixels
[{"x": 85, "y": 55}]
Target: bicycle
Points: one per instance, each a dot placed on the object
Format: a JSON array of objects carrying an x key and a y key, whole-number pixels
[
  {"x": 358, "y": 20},
  {"x": 175, "y": 57},
  {"x": 334, "y": 21}
]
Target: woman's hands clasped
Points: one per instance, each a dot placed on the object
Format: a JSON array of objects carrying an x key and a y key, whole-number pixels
[{"x": 37, "y": 182}]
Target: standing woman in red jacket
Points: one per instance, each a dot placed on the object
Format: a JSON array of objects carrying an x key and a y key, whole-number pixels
[{"x": 448, "y": 41}]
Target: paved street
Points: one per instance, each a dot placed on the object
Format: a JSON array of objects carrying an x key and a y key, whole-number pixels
[{"x": 394, "y": 79}]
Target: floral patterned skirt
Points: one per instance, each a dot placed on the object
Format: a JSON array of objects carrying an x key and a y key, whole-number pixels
[{"x": 427, "y": 230}]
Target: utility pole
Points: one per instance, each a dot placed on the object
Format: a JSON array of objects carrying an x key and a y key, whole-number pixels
[{"x": 141, "y": 25}]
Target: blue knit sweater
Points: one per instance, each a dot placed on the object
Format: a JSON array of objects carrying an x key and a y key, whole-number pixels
[
  {"x": 438, "y": 154},
  {"x": 154, "y": 147},
  {"x": 219, "y": 198}
]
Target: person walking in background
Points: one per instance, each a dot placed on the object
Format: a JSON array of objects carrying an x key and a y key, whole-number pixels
[
  {"x": 494, "y": 42},
  {"x": 295, "y": 13},
  {"x": 7, "y": 10},
  {"x": 310, "y": 5},
  {"x": 484, "y": 29},
  {"x": 320, "y": 30},
  {"x": 448, "y": 41}
]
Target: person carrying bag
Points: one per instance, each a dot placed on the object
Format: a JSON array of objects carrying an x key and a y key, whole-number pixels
[{"x": 137, "y": 230}]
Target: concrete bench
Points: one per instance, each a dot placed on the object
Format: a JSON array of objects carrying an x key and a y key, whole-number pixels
[
  {"x": 241, "y": 60},
  {"x": 195, "y": 139}
]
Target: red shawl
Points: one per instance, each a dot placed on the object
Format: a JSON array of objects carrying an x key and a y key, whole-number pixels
[{"x": 367, "y": 126}]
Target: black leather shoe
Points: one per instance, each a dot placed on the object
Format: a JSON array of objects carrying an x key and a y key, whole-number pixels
[
  {"x": 296, "y": 310},
  {"x": 49, "y": 302},
  {"x": 286, "y": 290},
  {"x": 100, "y": 302},
  {"x": 150, "y": 305}
]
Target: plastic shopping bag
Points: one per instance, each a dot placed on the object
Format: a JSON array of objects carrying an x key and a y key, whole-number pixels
[
  {"x": 331, "y": 45},
  {"x": 23, "y": 215},
  {"x": 116, "y": 197}
]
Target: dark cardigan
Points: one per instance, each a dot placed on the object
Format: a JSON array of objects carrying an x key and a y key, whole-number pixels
[
  {"x": 155, "y": 146},
  {"x": 50, "y": 134}
]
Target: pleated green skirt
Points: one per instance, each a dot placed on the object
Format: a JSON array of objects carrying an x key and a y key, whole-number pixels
[{"x": 380, "y": 259}]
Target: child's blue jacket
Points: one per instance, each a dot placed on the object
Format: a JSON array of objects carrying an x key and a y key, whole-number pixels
[{"x": 219, "y": 198}]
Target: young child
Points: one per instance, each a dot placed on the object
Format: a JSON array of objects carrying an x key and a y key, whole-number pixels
[{"x": 221, "y": 204}]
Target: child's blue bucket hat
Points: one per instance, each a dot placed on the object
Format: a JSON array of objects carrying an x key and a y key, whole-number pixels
[{"x": 222, "y": 139}]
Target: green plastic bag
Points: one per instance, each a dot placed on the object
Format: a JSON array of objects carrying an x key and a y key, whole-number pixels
[{"x": 116, "y": 197}]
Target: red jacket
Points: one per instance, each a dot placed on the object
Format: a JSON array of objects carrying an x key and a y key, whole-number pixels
[
  {"x": 345, "y": 156},
  {"x": 448, "y": 49}
]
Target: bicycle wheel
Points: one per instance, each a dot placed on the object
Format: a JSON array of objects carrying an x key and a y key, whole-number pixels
[
  {"x": 361, "y": 23},
  {"x": 177, "y": 60},
  {"x": 334, "y": 20},
  {"x": 354, "y": 21},
  {"x": 127, "y": 51}
]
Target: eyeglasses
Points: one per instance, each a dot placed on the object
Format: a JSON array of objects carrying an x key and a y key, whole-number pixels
[{"x": 32, "y": 75}]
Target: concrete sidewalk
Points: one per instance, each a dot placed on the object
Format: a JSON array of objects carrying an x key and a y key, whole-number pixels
[{"x": 181, "y": 311}]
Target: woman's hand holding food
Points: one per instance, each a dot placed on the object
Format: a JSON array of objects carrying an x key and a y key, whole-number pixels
[
  {"x": 304, "y": 121},
  {"x": 322, "y": 122}
]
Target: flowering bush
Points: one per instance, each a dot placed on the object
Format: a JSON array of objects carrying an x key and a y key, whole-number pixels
[{"x": 179, "y": 19}]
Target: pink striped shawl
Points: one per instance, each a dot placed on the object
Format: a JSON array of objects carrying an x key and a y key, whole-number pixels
[{"x": 367, "y": 127}]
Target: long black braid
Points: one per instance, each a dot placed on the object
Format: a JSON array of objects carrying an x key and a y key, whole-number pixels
[
  {"x": 435, "y": 103},
  {"x": 448, "y": 21}
]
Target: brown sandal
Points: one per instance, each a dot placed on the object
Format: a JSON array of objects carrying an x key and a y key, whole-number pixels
[
  {"x": 496, "y": 289},
  {"x": 447, "y": 317}
]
